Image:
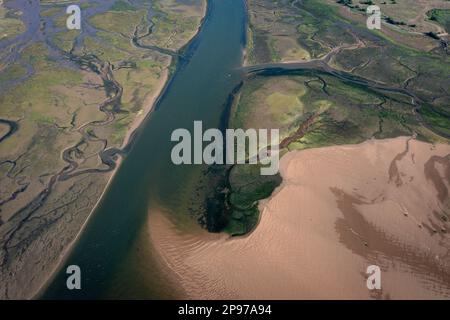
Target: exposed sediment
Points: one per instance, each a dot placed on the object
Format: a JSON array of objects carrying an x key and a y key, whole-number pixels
[{"x": 336, "y": 213}]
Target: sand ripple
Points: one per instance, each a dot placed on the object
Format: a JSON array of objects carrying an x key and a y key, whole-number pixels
[{"x": 339, "y": 210}]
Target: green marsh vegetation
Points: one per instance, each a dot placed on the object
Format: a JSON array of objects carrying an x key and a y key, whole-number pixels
[
  {"x": 441, "y": 16},
  {"x": 73, "y": 97},
  {"x": 10, "y": 23},
  {"x": 319, "y": 109}
]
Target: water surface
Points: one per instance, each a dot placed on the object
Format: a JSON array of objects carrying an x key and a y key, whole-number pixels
[{"x": 112, "y": 260}]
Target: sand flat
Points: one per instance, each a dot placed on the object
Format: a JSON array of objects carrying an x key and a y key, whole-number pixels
[{"x": 339, "y": 210}]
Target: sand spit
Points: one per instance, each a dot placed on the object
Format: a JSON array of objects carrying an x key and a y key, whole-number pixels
[{"x": 339, "y": 210}]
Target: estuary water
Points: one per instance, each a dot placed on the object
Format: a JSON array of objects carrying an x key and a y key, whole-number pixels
[{"x": 112, "y": 260}]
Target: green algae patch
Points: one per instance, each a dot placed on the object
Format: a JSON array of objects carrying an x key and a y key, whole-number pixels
[{"x": 247, "y": 188}]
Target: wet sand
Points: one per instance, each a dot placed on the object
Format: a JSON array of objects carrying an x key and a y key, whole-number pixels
[{"x": 339, "y": 210}]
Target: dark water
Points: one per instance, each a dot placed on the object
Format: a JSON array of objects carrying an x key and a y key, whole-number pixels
[{"x": 107, "y": 250}]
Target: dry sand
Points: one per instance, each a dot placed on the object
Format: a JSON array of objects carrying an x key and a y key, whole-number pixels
[{"x": 339, "y": 210}]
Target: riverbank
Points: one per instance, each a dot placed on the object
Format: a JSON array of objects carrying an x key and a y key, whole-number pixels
[
  {"x": 339, "y": 210},
  {"x": 151, "y": 100},
  {"x": 149, "y": 104}
]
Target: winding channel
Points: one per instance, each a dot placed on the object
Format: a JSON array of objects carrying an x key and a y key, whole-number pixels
[
  {"x": 114, "y": 262},
  {"x": 13, "y": 126}
]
